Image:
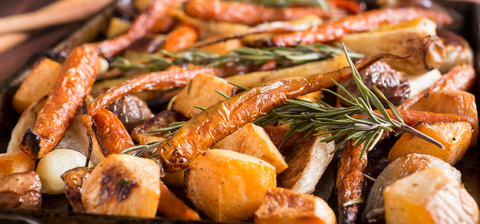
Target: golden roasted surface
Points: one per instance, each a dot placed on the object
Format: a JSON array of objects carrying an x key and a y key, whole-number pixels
[
  {"x": 123, "y": 185},
  {"x": 74, "y": 180},
  {"x": 286, "y": 206},
  {"x": 21, "y": 190},
  {"x": 227, "y": 185},
  {"x": 16, "y": 162},
  {"x": 429, "y": 196}
]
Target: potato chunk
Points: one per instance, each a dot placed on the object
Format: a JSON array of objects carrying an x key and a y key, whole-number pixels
[
  {"x": 429, "y": 196},
  {"x": 15, "y": 162},
  {"x": 21, "y": 190},
  {"x": 253, "y": 140},
  {"x": 455, "y": 137},
  {"x": 201, "y": 92},
  {"x": 451, "y": 102},
  {"x": 117, "y": 27},
  {"x": 123, "y": 185},
  {"x": 286, "y": 206},
  {"x": 37, "y": 84},
  {"x": 227, "y": 185}
]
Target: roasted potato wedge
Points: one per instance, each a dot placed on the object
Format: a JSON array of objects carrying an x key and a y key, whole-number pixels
[
  {"x": 21, "y": 190},
  {"x": 451, "y": 102},
  {"x": 429, "y": 196},
  {"x": 74, "y": 180},
  {"x": 253, "y": 140},
  {"x": 227, "y": 185},
  {"x": 307, "y": 162},
  {"x": 455, "y": 137},
  {"x": 37, "y": 84},
  {"x": 400, "y": 168},
  {"x": 123, "y": 185},
  {"x": 16, "y": 162},
  {"x": 201, "y": 92},
  {"x": 286, "y": 206}
]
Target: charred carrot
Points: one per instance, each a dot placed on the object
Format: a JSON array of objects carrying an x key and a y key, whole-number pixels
[
  {"x": 357, "y": 23},
  {"x": 247, "y": 13},
  {"x": 111, "y": 132},
  {"x": 349, "y": 182},
  {"x": 460, "y": 77},
  {"x": 75, "y": 82},
  {"x": 172, "y": 207},
  {"x": 155, "y": 81},
  {"x": 218, "y": 121},
  {"x": 180, "y": 38}
]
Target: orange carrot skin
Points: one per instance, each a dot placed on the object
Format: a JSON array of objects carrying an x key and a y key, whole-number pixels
[
  {"x": 163, "y": 80},
  {"x": 357, "y": 23},
  {"x": 163, "y": 25},
  {"x": 180, "y": 38},
  {"x": 349, "y": 181},
  {"x": 460, "y": 77},
  {"x": 411, "y": 117},
  {"x": 75, "y": 82},
  {"x": 351, "y": 6},
  {"x": 246, "y": 13},
  {"x": 172, "y": 207},
  {"x": 113, "y": 135}
]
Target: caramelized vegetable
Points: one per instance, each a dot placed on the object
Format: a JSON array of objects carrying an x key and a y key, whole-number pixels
[
  {"x": 457, "y": 48},
  {"x": 75, "y": 82},
  {"x": 286, "y": 206},
  {"x": 227, "y": 185},
  {"x": 161, "y": 120},
  {"x": 155, "y": 81},
  {"x": 15, "y": 162},
  {"x": 131, "y": 111},
  {"x": 21, "y": 190},
  {"x": 215, "y": 123},
  {"x": 180, "y": 38},
  {"x": 123, "y": 185},
  {"x": 358, "y": 23},
  {"x": 172, "y": 207},
  {"x": 111, "y": 132},
  {"x": 277, "y": 135},
  {"x": 74, "y": 180}
]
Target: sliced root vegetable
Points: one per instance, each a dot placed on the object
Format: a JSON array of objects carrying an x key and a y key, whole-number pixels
[
  {"x": 172, "y": 207},
  {"x": 15, "y": 162},
  {"x": 451, "y": 102},
  {"x": 21, "y": 190},
  {"x": 286, "y": 206},
  {"x": 111, "y": 132},
  {"x": 307, "y": 162},
  {"x": 123, "y": 185},
  {"x": 27, "y": 120},
  {"x": 227, "y": 185},
  {"x": 455, "y": 137},
  {"x": 74, "y": 180},
  {"x": 253, "y": 140},
  {"x": 54, "y": 164},
  {"x": 201, "y": 91},
  {"x": 37, "y": 84},
  {"x": 429, "y": 196},
  {"x": 400, "y": 168}
]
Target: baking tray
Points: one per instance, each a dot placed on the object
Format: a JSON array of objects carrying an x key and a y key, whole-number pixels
[{"x": 55, "y": 209}]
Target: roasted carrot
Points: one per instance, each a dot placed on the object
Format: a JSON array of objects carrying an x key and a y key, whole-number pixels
[
  {"x": 460, "y": 77},
  {"x": 247, "y": 13},
  {"x": 155, "y": 81},
  {"x": 172, "y": 207},
  {"x": 163, "y": 25},
  {"x": 218, "y": 121},
  {"x": 412, "y": 117},
  {"x": 111, "y": 132},
  {"x": 349, "y": 182},
  {"x": 351, "y": 6},
  {"x": 78, "y": 75},
  {"x": 357, "y": 23},
  {"x": 180, "y": 38}
]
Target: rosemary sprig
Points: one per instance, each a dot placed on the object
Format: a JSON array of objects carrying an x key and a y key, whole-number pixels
[
  {"x": 307, "y": 117},
  {"x": 141, "y": 150},
  {"x": 283, "y": 56}
]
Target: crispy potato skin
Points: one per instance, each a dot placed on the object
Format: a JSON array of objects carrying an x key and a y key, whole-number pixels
[
  {"x": 412, "y": 117},
  {"x": 37, "y": 85},
  {"x": 74, "y": 180},
  {"x": 21, "y": 190},
  {"x": 113, "y": 135},
  {"x": 460, "y": 77},
  {"x": 75, "y": 82},
  {"x": 123, "y": 185},
  {"x": 172, "y": 207},
  {"x": 16, "y": 162},
  {"x": 351, "y": 24},
  {"x": 286, "y": 206},
  {"x": 227, "y": 185},
  {"x": 349, "y": 182},
  {"x": 180, "y": 38}
]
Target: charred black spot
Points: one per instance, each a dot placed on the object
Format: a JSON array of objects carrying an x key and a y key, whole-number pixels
[
  {"x": 31, "y": 141},
  {"x": 116, "y": 183}
]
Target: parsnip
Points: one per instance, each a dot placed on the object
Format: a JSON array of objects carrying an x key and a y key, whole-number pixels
[{"x": 419, "y": 83}]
